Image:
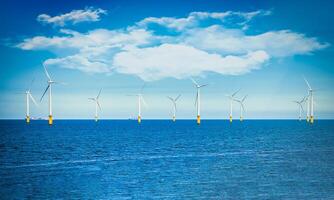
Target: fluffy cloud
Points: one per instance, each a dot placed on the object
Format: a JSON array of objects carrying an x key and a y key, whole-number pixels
[
  {"x": 196, "y": 48},
  {"x": 194, "y": 19},
  {"x": 73, "y": 17},
  {"x": 234, "y": 41},
  {"x": 180, "y": 61}
]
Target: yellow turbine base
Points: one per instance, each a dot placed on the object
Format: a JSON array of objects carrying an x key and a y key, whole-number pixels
[
  {"x": 198, "y": 119},
  {"x": 50, "y": 120},
  {"x": 139, "y": 119},
  {"x": 230, "y": 119},
  {"x": 28, "y": 119},
  {"x": 241, "y": 119},
  {"x": 312, "y": 119},
  {"x": 174, "y": 119}
]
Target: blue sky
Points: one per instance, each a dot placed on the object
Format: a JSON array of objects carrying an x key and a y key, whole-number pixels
[{"x": 262, "y": 47}]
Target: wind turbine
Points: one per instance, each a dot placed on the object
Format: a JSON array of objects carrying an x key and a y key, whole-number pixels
[
  {"x": 174, "y": 105},
  {"x": 140, "y": 101},
  {"x": 242, "y": 107},
  {"x": 300, "y": 103},
  {"x": 28, "y": 97},
  {"x": 310, "y": 103},
  {"x": 231, "y": 97},
  {"x": 49, "y": 87},
  {"x": 97, "y": 104},
  {"x": 198, "y": 100}
]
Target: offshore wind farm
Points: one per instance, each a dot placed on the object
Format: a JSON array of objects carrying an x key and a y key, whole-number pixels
[{"x": 166, "y": 100}]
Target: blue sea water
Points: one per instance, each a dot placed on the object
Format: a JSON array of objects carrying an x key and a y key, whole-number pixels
[{"x": 159, "y": 159}]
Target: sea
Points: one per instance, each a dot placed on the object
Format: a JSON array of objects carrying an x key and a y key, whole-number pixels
[{"x": 161, "y": 159}]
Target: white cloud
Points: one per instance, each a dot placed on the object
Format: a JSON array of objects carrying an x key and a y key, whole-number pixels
[
  {"x": 196, "y": 48},
  {"x": 73, "y": 17},
  {"x": 79, "y": 62},
  {"x": 234, "y": 41},
  {"x": 194, "y": 19},
  {"x": 181, "y": 61}
]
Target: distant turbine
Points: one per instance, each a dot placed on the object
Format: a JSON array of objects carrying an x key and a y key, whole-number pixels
[
  {"x": 198, "y": 100},
  {"x": 174, "y": 105},
  {"x": 140, "y": 101},
  {"x": 310, "y": 103},
  {"x": 28, "y": 97},
  {"x": 49, "y": 87},
  {"x": 97, "y": 104},
  {"x": 242, "y": 107},
  {"x": 300, "y": 105},
  {"x": 231, "y": 97}
]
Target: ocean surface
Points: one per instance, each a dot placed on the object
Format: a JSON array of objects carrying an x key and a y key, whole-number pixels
[{"x": 159, "y": 159}]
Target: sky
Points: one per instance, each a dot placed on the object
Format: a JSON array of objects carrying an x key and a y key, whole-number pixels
[{"x": 263, "y": 48}]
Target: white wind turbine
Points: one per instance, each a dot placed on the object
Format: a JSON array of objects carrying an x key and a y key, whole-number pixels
[
  {"x": 242, "y": 106},
  {"x": 49, "y": 87},
  {"x": 140, "y": 101},
  {"x": 97, "y": 104},
  {"x": 28, "y": 97},
  {"x": 231, "y": 97},
  {"x": 174, "y": 105},
  {"x": 300, "y": 105},
  {"x": 310, "y": 103},
  {"x": 198, "y": 99}
]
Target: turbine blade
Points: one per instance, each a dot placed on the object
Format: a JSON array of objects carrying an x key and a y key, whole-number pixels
[
  {"x": 194, "y": 82},
  {"x": 170, "y": 98},
  {"x": 144, "y": 102},
  {"x": 62, "y": 83},
  {"x": 44, "y": 93},
  {"x": 93, "y": 99},
  {"x": 203, "y": 85},
  {"x": 99, "y": 94},
  {"x": 46, "y": 72},
  {"x": 242, "y": 106},
  {"x": 33, "y": 100},
  {"x": 31, "y": 84},
  {"x": 235, "y": 92},
  {"x": 142, "y": 88},
  {"x": 97, "y": 102},
  {"x": 301, "y": 106},
  {"x": 177, "y": 97},
  {"x": 196, "y": 98},
  {"x": 243, "y": 99},
  {"x": 308, "y": 85}
]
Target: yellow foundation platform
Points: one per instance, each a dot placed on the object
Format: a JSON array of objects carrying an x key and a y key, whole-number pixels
[
  {"x": 139, "y": 119},
  {"x": 230, "y": 119},
  {"x": 198, "y": 119},
  {"x": 28, "y": 119},
  {"x": 50, "y": 120},
  {"x": 312, "y": 119},
  {"x": 174, "y": 119}
]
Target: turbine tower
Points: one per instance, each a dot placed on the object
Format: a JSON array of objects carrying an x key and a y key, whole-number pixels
[
  {"x": 300, "y": 103},
  {"x": 97, "y": 104},
  {"x": 174, "y": 105},
  {"x": 242, "y": 107},
  {"x": 28, "y": 97},
  {"x": 49, "y": 87},
  {"x": 198, "y": 100},
  {"x": 231, "y": 97},
  {"x": 140, "y": 101},
  {"x": 310, "y": 103}
]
